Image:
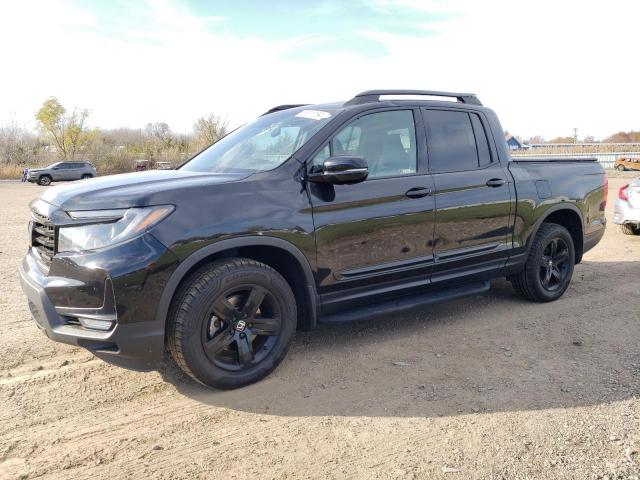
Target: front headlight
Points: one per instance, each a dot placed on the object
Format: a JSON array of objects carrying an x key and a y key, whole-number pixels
[{"x": 108, "y": 227}]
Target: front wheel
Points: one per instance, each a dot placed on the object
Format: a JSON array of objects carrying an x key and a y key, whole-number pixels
[
  {"x": 232, "y": 323},
  {"x": 44, "y": 180},
  {"x": 86, "y": 176},
  {"x": 620, "y": 168},
  {"x": 549, "y": 267}
]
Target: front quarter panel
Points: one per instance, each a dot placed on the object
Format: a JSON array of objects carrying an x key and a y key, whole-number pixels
[{"x": 265, "y": 204}]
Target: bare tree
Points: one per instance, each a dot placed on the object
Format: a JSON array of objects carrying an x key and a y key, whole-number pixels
[
  {"x": 17, "y": 145},
  {"x": 208, "y": 130}
]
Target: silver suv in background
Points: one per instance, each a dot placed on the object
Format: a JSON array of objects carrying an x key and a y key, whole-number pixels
[
  {"x": 61, "y": 171},
  {"x": 627, "y": 208}
]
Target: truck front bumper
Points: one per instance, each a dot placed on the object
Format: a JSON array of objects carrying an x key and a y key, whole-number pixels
[{"x": 133, "y": 343}]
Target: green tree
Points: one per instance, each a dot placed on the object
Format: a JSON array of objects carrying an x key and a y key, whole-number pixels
[{"x": 67, "y": 132}]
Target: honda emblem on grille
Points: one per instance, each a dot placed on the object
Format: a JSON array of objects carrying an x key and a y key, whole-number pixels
[{"x": 241, "y": 325}]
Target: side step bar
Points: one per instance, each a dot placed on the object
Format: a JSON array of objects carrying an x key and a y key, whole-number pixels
[{"x": 406, "y": 303}]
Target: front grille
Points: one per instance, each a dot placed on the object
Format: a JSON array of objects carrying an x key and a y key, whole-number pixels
[{"x": 43, "y": 237}]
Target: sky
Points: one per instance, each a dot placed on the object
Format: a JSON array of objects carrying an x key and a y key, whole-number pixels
[{"x": 545, "y": 66}]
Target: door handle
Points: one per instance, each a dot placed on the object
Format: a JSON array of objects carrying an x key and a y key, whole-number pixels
[
  {"x": 496, "y": 182},
  {"x": 418, "y": 192}
]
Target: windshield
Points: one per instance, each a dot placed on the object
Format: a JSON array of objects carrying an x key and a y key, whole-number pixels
[{"x": 262, "y": 144}]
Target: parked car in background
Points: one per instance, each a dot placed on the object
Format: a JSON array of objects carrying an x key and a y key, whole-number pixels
[
  {"x": 309, "y": 214},
  {"x": 627, "y": 163},
  {"x": 141, "y": 165},
  {"x": 627, "y": 208},
  {"x": 61, "y": 171},
  {"x": 163, "y": 166}
]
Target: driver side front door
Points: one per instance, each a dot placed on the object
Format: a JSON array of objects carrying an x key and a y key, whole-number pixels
[{"x": 378, "y": 232}]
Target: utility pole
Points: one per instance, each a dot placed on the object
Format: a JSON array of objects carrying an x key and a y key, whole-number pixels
[{"x": 575, "y": 135}]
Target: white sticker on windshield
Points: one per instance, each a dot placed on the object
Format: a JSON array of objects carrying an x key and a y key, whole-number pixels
[{"x": 313, "y": 114}]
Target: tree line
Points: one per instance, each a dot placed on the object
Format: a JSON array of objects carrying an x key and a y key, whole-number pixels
[
  {"x": 618, "y": 137},
  {"x": 62, "y": 134}
]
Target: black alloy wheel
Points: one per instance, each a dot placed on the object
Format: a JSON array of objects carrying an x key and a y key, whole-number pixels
[
  {"x": 231, "y": 323},
  {"x": 554, "y": 264},
  {"x": 241, "y": 327},
  {"x": 547, "y": 273}
]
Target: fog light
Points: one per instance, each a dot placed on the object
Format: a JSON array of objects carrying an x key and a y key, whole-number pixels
[{"x": 95, "y": 324}]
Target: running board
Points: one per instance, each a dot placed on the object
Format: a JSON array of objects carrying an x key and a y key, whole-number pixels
[{"x": 406, "y": 303}]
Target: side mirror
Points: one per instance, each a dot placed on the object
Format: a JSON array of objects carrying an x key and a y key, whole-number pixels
[{"x": 341, "y": 170}]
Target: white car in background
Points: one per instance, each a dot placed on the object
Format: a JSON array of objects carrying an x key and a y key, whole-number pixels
[{"x": 627, "y": 208}]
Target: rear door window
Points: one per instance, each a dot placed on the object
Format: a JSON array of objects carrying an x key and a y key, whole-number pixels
[
  {"x": 484, "y": 154},
  {"x": 457, "y": 141}
]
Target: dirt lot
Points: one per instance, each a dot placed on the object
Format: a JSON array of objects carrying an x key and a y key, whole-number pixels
[{"x": 489, "y": 387}]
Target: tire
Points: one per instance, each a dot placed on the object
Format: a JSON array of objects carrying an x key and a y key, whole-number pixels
[
  {"x": 531, "y": 283},
  {"x": 630, "y": 229},
  {"x": 86, "y": 176},
  {"x": 620, "y": 168},
  {"x": 223, "y": 327},
  {"x": 44, "y": 180}
]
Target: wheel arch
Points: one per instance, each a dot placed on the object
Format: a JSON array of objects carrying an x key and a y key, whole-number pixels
[
  {"x": 279, "y": 254},
  {"x": 570, "y": 217}
]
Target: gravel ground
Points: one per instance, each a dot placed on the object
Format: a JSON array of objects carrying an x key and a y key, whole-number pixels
[{"x": 489, "y": 387}]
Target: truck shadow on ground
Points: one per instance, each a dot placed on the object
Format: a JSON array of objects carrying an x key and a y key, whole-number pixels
[{"x": 487, "y": 353}]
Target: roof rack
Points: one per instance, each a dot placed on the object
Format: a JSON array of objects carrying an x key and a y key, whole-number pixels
[
  {"x": 374, "y": 96},
  {"x": 283, "y": 107}
]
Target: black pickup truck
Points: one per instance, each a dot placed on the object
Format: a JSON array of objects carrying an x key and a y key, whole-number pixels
[{"x": 309, "y": 214}]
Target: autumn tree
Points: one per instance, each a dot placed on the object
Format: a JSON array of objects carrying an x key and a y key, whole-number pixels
[
  {"x": 623, "y": 137},
  {"x": 208, "y": 130},
  {"x": 562, "y": 140},
  {"x": 158, "y": 138},
  {"x": 67, "y": 131}
]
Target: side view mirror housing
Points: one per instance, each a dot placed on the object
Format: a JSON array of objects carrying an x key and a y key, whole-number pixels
[{"x": 341, "y": 170}]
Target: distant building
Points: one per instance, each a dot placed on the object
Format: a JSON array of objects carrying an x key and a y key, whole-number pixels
[{"x": 515, "y": 144}]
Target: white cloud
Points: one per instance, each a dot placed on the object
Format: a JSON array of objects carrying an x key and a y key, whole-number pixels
[{"x": 544, "y": 66}]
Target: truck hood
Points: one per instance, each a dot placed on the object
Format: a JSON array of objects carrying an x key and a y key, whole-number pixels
[{"x": 126, "y": 190}]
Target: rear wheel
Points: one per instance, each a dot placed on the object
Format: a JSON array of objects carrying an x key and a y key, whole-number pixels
[
  {"x": 232, "y": 323},
  {"x": 549, "y": 267},
  {"x": 630, "y": 229},
  {"x": 86, "y": 176},
  {"x": 620, "y": 168},
  {"x": 44, "y": 180}
]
